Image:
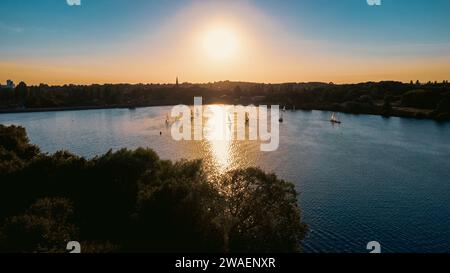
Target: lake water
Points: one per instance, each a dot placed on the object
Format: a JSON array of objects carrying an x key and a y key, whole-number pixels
[{"x": 369, "y": 179}]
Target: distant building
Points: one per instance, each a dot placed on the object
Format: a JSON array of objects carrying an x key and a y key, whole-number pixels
[{"x": 10, "y": 84}]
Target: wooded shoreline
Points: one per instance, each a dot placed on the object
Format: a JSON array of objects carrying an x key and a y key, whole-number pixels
[
  {"x": 389, "y": 99},
  {"x": 395, "y": 112}
]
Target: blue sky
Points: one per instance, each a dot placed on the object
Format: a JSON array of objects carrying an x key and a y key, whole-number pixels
[{"x": 40, "y": 29}]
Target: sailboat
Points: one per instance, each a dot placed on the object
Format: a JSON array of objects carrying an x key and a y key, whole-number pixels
[
  {"x": 334, "y": 119},
  {"x": 167, "y": 120}
]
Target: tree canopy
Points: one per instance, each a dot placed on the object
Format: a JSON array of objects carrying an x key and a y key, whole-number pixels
[{"x": 132, "y": 201}]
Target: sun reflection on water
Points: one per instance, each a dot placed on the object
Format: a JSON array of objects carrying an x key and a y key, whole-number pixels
[
  {"x": 219, "y": 149},
  {"x": 217, "y": 134}
]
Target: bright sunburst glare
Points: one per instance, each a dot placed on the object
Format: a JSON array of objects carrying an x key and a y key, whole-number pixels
[{"x": 220, "y": 43}]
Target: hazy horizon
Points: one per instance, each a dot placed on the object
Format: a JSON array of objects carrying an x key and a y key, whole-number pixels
[{"x": 220, "y": 81}]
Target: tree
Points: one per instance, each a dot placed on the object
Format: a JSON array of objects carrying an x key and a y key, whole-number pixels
[
  {"x": 237, "y": 92},
  {"x": 21, "y": 92},
  {"x": 421, "y": 98},
  {"x": 44, "y": 227},
  {"x": 258, "y": 212},
  {"x": 15, "y": 139},
  {"x": 444, "y": 105},
  {"x": 175, "y": 210},
  {"x": 387, "y": 107}
]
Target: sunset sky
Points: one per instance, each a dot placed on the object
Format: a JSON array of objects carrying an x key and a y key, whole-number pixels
[{"x": 112, "y": 41}]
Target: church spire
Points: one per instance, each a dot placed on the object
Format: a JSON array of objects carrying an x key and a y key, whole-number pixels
[{"x": 177, "y": 82}]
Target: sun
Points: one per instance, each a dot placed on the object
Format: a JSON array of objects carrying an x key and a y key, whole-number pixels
[{"x": 220, "y": 43}]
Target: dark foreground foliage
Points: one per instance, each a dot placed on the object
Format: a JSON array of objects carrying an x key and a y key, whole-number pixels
[{"x": 132, "y": 201}]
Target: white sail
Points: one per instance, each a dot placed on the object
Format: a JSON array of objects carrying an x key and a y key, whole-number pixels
[{"x": 334, "y": 118}]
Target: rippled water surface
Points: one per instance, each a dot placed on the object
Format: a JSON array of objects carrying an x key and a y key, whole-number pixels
[{"x": 371, "y": 178}]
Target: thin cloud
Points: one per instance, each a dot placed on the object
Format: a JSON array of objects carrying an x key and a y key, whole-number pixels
[{"x": 10, "y": 28}]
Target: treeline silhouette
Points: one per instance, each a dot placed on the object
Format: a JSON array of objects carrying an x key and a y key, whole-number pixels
[
  {"x": 132, "y": 201},
  {"x": 389, "y": 98}
]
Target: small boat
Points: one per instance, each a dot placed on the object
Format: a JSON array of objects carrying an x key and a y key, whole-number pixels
[
  {"x": 334, "y": 119},
  {"x": 167, "y": 120}
]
